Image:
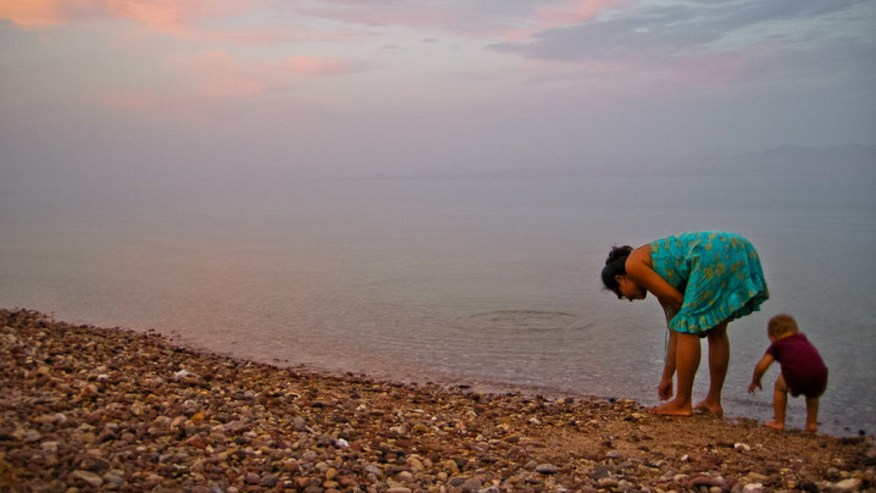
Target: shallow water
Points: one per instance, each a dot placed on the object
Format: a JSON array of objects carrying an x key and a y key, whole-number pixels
[{"x": 491, "y": 281}]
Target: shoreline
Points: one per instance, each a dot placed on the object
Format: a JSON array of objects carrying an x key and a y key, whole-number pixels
[{"x": 86, "y": 408}]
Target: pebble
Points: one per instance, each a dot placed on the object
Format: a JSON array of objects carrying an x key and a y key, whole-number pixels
[
  {"x": 846, "y": 485},
  {"x": 89, "y": 477}
]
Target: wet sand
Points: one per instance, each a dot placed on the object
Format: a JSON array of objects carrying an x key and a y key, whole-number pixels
[{"x": 86, "y": 409}]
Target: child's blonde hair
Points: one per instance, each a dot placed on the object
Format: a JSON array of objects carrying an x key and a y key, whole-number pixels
[{"x": 782, "y": 324}]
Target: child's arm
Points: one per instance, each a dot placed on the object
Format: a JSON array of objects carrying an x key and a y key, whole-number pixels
[{"x": 759, "y": 370}]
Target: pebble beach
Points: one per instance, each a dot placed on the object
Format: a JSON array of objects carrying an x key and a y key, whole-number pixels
[{"x": 84, "y": 408}]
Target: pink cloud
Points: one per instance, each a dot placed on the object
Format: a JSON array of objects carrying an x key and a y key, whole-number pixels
[
  {"x": 178, "y": 18},
  {"x": 211, "y": 77},
  {"x": 187, "y": 18},
  {"x": 458, "y": 19},
  {"x": 568, "y": 13},
  {"x": 38, "y": 14},
  {"x": 381, "y": 14},
  {"x": 573, "y": 12}
]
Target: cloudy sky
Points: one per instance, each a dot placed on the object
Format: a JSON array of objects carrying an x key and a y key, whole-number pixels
[{"x": 284, "y": 88}]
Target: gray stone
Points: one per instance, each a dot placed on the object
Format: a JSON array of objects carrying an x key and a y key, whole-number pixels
[{"x": 269, "y": 481}]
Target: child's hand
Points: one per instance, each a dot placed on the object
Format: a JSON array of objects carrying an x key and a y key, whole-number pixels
[{"x": 752, "y": 386}]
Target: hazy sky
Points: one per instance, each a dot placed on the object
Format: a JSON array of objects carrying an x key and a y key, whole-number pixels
[{"x": 281, "y": 88}]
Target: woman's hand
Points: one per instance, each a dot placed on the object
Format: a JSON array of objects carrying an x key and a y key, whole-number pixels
[
  {"x": 668, "y": 311},
  {"x": 664, "y": 390}
]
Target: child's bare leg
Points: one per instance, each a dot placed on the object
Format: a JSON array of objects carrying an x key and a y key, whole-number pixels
[
  {"x": 719, "y": 360},
  {"x": 812, "y": 414},
  {"x": 780, "y": 402},
  {"x": 687, "y": 360}
]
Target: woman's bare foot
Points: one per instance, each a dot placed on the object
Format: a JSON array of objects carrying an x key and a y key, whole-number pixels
[
  {"x": 671, "y": 409},
  {"x": 774, "y": 425},
  {"x": 707, "y": 407},
  {"x": 812, "y": 427}
]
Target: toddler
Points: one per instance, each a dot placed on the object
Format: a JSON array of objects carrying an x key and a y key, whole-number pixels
[{"x": 803, "y": 371}]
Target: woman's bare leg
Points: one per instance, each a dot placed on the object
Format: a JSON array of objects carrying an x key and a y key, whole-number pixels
[
  {"x": 687, "y": 360},
  {"x": 719, "y": 361}
]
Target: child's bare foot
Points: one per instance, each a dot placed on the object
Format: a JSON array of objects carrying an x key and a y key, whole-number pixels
[
  {"x": 812, "y": 427},
  {"x": 774, "y": 425},
  {"x": 672, "y": 409},
  {"x": 707, "y": 407}
]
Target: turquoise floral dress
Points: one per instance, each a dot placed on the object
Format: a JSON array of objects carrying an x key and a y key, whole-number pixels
[{"x": 718, "y": 273}]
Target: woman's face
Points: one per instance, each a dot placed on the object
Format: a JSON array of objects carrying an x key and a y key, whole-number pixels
[{"x": 629, "y": 289}]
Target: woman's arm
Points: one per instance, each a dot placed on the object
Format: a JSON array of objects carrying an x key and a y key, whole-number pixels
[
  {"x": 639, "y": 268},
  {"x": 664, "y": 389}
]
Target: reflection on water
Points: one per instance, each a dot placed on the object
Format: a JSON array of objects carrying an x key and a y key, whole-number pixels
[{"x": 492, "y": 281}]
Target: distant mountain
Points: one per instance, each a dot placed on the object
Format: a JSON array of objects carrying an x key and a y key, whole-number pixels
[
  {"x": 808, "y": 160},
  {"x": 858, "y": 160}
]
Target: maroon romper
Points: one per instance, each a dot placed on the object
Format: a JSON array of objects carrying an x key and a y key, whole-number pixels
[{"x": 802, "y": 366}]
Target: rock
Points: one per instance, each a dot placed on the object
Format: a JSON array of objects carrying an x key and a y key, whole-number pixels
[
  {"x": 706, "y": 480},
  {"x": 755, "y": 477},
  {"x": 415, "y": 463},
  {"x": 471, "y": 485},
  {"x": 184, "y": 375},
  {"x": 31, "y": 436},
  {"x": 89, "y": 477},
  {"x": 547, "y": 469},
  {"x": 608, "y": 483},
  {"x": 457, "y": 481},
  {"x": 50, "y": 447},
  {"x": 269, "y": 481},
  {"x": 752, "y": 488},
  {"x": 846, "y": 485},
  {"x": 113, "y": 479}
]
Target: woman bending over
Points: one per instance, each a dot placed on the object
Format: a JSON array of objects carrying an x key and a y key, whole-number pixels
[{"x": 703, "y": 280}]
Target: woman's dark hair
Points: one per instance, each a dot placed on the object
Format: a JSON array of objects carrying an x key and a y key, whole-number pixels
[{"x": 615, "y": 266}]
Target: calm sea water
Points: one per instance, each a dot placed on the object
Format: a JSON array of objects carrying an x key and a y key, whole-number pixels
[{"x": 479, "y": 281}]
